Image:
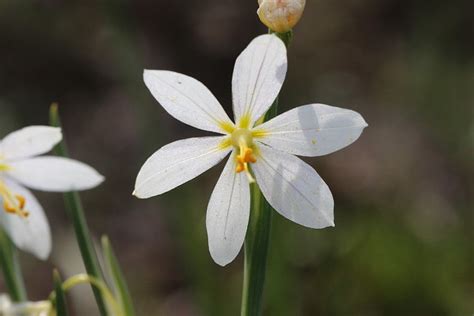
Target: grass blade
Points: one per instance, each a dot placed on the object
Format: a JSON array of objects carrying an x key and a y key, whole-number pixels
[{"x": 118, "y": 281}]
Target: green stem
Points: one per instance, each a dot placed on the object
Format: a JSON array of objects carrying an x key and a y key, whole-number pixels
[
  {"x": 257, "y": 240},
  {"x": 256, "y": 249},
  {"x": 59, "y": 300},
  {"x": 75, "y": 212},
  {"x": 11, "y": 269}
]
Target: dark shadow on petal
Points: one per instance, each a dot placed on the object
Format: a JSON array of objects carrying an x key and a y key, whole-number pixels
[{"x": 281, "y": 73}]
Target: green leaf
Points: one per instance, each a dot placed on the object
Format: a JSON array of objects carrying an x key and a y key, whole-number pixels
[
  {"x": 119, "y": 284},
  {"x": 60, "y": 298}
]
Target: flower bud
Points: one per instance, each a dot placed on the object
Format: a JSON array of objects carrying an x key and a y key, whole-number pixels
[{"x": 280, "y": 15}]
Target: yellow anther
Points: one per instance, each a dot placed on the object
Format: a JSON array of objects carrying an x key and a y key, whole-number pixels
[
  {"x": 243, "y": 166},
  {"x": 21, "y": 199},
  {"x": 246, "y": 155},
  {"x": 240, "y": 167},
  {"x": 16, "y": 206},
  {"x": 242, "y": 141},
  {"x": 13, "y": 203}
]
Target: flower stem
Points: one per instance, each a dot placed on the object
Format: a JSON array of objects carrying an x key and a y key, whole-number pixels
[
  {"x": 256, "y": 248},
  {"x": 59, "y": 301},
  {"x": 11, "y": 269},
  {"x": 257, "y": 240},
  {"x": 75, "y": 212}
]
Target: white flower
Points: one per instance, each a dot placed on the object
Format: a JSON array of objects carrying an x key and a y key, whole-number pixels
[
  {"x": 265, "y": 151},
  {"x": 280, "y": 15},
  {"x": 22, "y": 216}
]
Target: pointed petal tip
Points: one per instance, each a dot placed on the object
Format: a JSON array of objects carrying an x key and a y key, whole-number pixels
[
  {"x": 319, "y": 225},
  {"x": 136, "y": 194},
  {"x": 95, "y": 180},
  {"x": 220, "y": 258},
  {"x": 221, "y": 261},
  {"x": 42, "y": 252},
  {"x": 100, "y": 178},
  {"x": 43, "y": 256},
  {"x": 363, "y": 122},
  {"x": 140, "y": 195}
]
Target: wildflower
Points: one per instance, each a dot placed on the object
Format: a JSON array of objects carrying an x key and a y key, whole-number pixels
[
  {"x": 23, "y": 217},
  {"x": 280, "y": 15},
  {"x": 259, "y": 152}
]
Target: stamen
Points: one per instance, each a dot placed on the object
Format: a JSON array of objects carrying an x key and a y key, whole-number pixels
[
  {"x": 242, "y": 141},
  {"x": 13, "y": 203},
  {"x": 240, "y": 167},
  {"x": 246, "y": 156}
]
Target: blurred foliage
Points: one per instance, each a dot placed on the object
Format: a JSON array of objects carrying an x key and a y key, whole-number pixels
[{"x": 403, "y": 242}]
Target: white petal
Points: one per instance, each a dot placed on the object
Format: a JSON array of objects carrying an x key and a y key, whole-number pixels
[
  {"x": 228, "y": 214},
  {"x": 187, "y": 99},
  {"x": 313, "y": 130},
  {"x": 56, "y": 174},
  {"x": 293, "y": 188},
  {"x": 31, "y": 234},
  {"x": 177, "y": 163},
  {"x": 29, "y": 141},
  {"x": 259, "y": 73}
]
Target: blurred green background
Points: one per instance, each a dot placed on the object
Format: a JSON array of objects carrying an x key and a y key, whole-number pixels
[{"x": 403, "y": 241}]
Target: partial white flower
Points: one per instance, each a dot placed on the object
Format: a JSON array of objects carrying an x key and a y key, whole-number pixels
[
  {"x": 5, "y": 302},
  {"x": 9, "y": 308},
  {"x": 261, "y": 152},
  {"x": 23, "y": 217}
]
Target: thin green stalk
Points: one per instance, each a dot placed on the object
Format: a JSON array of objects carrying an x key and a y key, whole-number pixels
[
  {"x": 256, "y": 247},
  {"x": 119, "y": 285},
  {"x": 75, "y": 212},
  {"x": 115, "y": 308},
  {"x": 257, "y": 240},
  {"x": 11, "y": 269},
  {"x": 59, "y": 297},
  {"x": 78, "y": 279}
]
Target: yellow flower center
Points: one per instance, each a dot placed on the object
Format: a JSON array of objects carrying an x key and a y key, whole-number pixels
[
  {"x": 12, "y": 203},
  {"x": 242, "y": 140}
]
